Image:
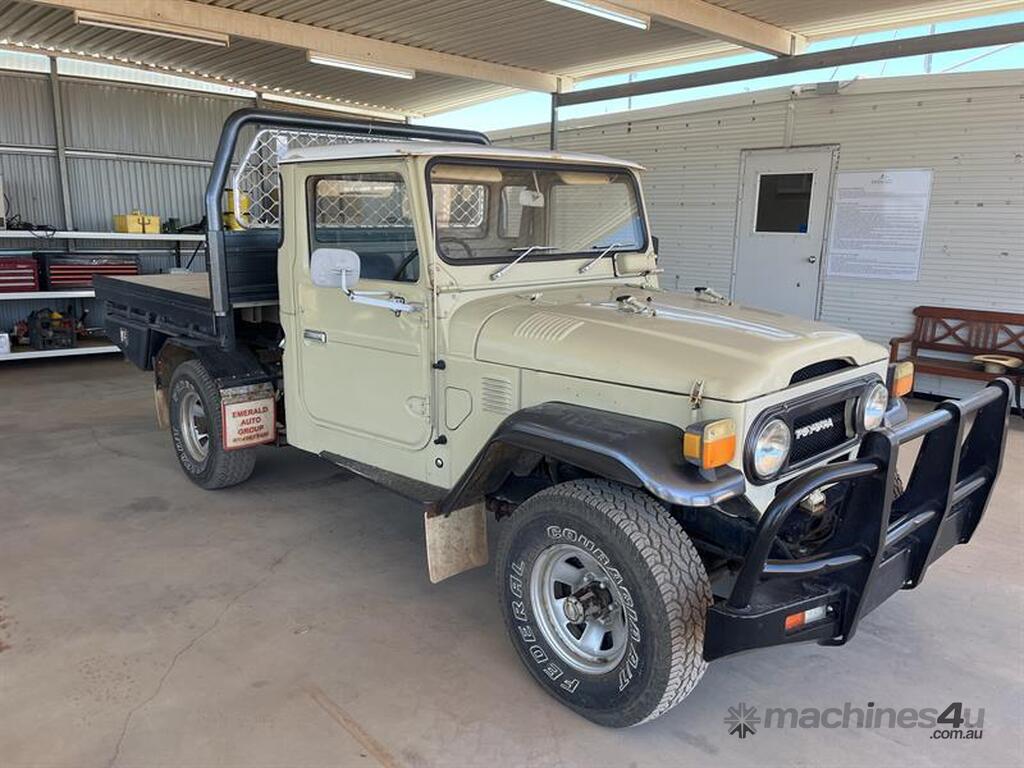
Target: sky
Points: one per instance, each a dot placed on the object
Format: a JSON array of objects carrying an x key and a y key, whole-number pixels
[{"x": 533, "y": 108}]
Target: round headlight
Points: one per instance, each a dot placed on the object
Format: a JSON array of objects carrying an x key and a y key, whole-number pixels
[
  {"x": 872, "y": 407},
  {"x": 771, "y": 448}
]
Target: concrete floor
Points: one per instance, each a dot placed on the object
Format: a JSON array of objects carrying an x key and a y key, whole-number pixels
[{"x": 290, "y": 622}]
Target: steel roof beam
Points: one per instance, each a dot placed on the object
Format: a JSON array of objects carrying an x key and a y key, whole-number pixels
[
  {"x": 721, "y": 24},
  {"x": 912, "y": 46}
]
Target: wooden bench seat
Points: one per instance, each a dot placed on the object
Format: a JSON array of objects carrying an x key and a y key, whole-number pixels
[{"x": 963, "y": 333}]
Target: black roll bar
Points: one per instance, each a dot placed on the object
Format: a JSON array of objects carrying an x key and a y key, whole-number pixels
[{"x": 276, "y": 119}]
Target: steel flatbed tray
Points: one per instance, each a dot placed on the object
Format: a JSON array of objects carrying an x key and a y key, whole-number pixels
[
  {"x": 140, "y": 310},
  {"x": 191, "y": 285}
]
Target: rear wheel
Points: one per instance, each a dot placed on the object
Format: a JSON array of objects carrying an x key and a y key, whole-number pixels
[
  {"x": 604, "y": 598},
  {"x": 196, "y": 430}
]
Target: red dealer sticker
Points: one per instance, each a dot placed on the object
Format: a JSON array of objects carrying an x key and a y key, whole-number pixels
[{"x": 248, "y": 422}]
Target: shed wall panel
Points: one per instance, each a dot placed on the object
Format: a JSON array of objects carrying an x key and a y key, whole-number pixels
[
  {"x": 26, "y": 110},
  {"x": 974, "y": 239},
  {"x": 32, "y": 187},
  {"x": 102, "y": 187},
  {"x": 144, "y": 121}
]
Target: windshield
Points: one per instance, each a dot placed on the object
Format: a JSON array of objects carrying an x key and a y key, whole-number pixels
[{"x": 493, "y": 213}]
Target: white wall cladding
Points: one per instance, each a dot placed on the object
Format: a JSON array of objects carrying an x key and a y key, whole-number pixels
[
  {"x": 973, "y": 140},
  {"x": 968, "y": 128}
]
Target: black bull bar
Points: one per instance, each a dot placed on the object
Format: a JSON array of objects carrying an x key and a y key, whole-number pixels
[{"x": 880, "y": 544}]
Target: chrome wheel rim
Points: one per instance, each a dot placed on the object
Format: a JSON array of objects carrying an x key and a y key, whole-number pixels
[
  {"x": 194, "y": 426},
  {"x": 579, "y": 609}
]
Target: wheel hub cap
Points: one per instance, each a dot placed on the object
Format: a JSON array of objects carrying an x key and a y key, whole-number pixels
[
  {"x": 573, "y": 610},
  {"x": 578, "y": 608}
]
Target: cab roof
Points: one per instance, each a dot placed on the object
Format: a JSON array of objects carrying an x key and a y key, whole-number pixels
[{"x": 437, "y": 148}]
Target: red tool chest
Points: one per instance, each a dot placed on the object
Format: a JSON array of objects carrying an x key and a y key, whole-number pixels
[
  {"x": 20, "y": 273},
  {"x": 76, "y": 271}
]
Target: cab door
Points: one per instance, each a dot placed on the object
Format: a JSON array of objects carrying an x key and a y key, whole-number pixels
[{"x": 364, "y": 371}]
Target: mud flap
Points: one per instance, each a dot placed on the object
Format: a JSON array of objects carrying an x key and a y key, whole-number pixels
[
  {"x": 163, "y": 407},
  {"x": 248, "y": 416},
  {"x": 456, "y": 542}
]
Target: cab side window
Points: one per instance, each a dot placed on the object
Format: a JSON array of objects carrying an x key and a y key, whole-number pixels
[{"x": 368, "y": 213}]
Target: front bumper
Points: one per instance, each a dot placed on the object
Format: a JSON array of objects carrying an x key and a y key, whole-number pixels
[{"x": 881, "y": 544}]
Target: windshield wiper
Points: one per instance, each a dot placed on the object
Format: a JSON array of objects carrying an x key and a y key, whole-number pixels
[
  {"x": 586, "y": 267},
  {"x": 526, "y": 251}
]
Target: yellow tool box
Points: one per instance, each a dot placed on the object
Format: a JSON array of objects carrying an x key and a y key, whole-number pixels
[{"x": 137, "y": 222}]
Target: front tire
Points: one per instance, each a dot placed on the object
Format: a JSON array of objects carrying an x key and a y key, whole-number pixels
[
  {"x": 604, "y": 598},
  {"x": 197, "y": 431}
]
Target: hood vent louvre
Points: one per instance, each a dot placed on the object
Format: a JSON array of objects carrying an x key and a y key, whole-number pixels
[{"x": 547, "y": 326}]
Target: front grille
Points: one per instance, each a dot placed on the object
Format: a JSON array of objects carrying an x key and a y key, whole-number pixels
[{"x": 812, "y": 435}]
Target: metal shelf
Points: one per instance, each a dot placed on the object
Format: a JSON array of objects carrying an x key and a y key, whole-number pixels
[
  {"x": 85, "y": 293},
  {"x": 45, "y": 234},
  {"x": 84, "y": 348}
]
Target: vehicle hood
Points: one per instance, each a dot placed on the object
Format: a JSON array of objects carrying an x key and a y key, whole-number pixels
[{"x": 655, "y": 340}]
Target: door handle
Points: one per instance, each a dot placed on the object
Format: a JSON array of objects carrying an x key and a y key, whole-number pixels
[
  {"x": 812, "y": 259},
  {"x": 320, "y": 337}
]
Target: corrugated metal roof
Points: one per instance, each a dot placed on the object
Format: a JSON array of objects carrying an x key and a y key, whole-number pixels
[{"x": 528, "y": 34}]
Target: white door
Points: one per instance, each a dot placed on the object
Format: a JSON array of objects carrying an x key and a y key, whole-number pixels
[{"x": 780, "y": 230}]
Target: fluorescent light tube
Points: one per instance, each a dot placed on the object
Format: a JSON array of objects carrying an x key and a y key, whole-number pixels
[
  {"x": 608, "y": 11},
  {"x": 328, "y": 60},
  {"x": 146, "y": 27}
]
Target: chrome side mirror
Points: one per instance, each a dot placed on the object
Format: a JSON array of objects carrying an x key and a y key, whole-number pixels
[
  {"x": 335, "y": 268},
  {"x": 339, "y": 268}
]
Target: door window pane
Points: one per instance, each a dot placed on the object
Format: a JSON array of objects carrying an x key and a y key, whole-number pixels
[
  {"x": 368, "y": 213},
  {"x": 783, "y": 202}
]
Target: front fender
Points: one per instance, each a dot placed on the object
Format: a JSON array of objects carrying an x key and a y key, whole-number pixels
[{"x": 634, "y": 451}]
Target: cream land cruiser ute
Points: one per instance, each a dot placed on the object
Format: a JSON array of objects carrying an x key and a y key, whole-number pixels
[{"x": 675, "y": 478}]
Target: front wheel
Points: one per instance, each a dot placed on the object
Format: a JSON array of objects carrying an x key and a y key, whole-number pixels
[
  {"x": 197, "y": 431},
  {"x": 604, "y": 597}
]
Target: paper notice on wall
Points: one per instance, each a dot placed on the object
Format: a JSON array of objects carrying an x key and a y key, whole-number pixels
[{"x": 878, "y": 221}]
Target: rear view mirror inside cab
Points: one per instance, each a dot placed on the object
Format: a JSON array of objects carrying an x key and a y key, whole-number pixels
[{"x": 531, "y": 198}]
